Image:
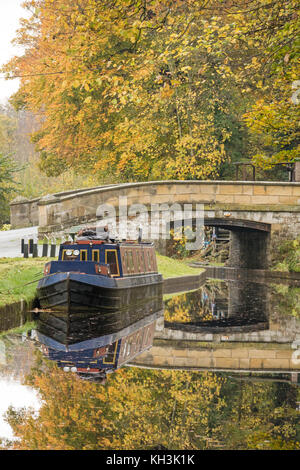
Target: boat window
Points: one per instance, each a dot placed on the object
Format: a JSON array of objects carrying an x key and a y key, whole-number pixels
[
  {"x": 111, "y": 356},
  {"x": 69, "y": 254},
  {"x": 135, "y": 254},
  {"x": 95, "y": 255},
  {"x": 139, "y": 264},
  {"x": 112, "y": 259},
  {"x": 125, "y": 262},
  {"x": 83, "y": 255},
  {"x": 142, "y": 261},
  {"x": 149, "y": 260},
  {"x": 130, "y": 262},
  {"x": 153, "y": 259}
]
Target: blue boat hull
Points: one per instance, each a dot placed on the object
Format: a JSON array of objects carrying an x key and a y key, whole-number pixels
[{"x": 76, "y": 292}]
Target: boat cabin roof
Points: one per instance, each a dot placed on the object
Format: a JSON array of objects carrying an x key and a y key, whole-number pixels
[{"x": 124, "y": 258}]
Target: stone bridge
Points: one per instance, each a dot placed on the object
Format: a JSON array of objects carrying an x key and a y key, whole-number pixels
[{"x": 258, "y": 214}]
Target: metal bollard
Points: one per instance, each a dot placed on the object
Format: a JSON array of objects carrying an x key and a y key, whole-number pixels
[{"x": 22, "y": 245}]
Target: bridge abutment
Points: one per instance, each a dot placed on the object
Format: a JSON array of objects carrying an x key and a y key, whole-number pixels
[{"x": 249, "y": 249}]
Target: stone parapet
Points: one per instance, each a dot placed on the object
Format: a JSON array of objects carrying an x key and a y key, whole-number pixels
[
  {"x": 24, "y": 212},
  {"x": 238, "y": 195}
]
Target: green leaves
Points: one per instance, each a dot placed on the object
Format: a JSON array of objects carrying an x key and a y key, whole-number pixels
[
  {"x": 182, "y": 73},
  {"x": 7, "y": 169}
]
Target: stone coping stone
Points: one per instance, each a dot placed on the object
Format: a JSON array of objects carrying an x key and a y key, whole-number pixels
[
  {"x": 111, "y": 187},
  {"x": 210, "y": 369},
  {"x": 242, "y": 274},
  {"x": 22, "y": 200}
]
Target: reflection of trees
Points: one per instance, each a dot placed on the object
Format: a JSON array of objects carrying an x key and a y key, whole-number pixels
[
  {"x": 198, "y": 305},
  {"x": 287, "y": 298},
  {"x": 143, "y": 409},
  {"x": 135, "y": 409},
  {"x": 262, "y": 416},
  {"x": 17, "y": 357}
]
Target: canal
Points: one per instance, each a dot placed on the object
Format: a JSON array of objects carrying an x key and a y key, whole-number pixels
[{"x": 216, "y": 368}]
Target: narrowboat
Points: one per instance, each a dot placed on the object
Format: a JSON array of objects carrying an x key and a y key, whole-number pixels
[{"x": 101, "y": 276}]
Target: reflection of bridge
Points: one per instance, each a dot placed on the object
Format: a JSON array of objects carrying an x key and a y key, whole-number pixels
[
  {"x": 255, "y": 351},
  {"x": 256, "y": 213},
  {"x": 266, "y": 343},
  {"x": 225, "y": 356}
]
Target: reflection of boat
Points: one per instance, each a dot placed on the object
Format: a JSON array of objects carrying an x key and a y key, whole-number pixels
[
  {"x": 92, "y": 358},
  {"x": 100, "y": 275}
]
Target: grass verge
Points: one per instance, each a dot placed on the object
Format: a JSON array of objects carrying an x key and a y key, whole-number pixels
[
  {"x": 19, "y": 277},
  {"x": 170, "y": 267},
  {"x": 20, "y": 329}
]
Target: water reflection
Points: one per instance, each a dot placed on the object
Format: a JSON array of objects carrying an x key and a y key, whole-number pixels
[
  {"x": 236, "y": 325},
  {"x": 220, "y": 307},
  {"x": 16, "y": 361},
  {"x": 93, "y": 357},
  {"x": 215, "y": 371}
]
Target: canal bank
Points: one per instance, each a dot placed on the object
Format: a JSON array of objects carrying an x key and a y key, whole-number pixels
[
  {"x": 260, "y": 275},
  {"x": 19, "y": 277},
  {"x": 17, "y": 301},
  {"x": 217, "y": 333}
]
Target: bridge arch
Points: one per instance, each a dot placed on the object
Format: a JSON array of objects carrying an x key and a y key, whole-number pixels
[{"x": 249, "y": 241}]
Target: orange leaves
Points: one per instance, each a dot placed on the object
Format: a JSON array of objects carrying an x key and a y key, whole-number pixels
[
  {"x": 171, "y": 70},
  {"x": 96, "y": 67}
]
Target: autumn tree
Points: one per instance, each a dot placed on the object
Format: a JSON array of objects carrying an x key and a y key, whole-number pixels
[
  {"x": 274, "y": 116},
  {"x": 135, "y": 90},
  {"x": 151, "y": 90},
  {"x": 147, "y": 409},
  {"x": 135, "y": 409}
]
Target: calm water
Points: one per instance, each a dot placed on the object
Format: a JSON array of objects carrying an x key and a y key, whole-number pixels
[{"x": 217, "y": 369}]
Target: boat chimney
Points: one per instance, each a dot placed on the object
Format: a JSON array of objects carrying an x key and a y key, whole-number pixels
[{"x": 140, "y": 235}]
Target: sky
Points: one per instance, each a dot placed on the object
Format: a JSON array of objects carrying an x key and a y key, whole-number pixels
[{"x": 10, "y": 13}]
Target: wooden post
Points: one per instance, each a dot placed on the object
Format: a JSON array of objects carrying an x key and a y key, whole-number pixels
[
  {"x": 52, "y": 249},
  {"x": 35, "y": 249},
  {"x": 45, "y": 250},
  {"x": 30, "y": 246},
  {"x": 25, "y": 250}
]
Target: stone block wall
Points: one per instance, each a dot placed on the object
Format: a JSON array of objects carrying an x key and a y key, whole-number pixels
[
  {"x": 24, "y": 213},
  {"x": 268, "y": 350},
  {"x": 274, "y": 203},
  {"x": 73, "y": 207},
  {"x": 235, "y": 358}
]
